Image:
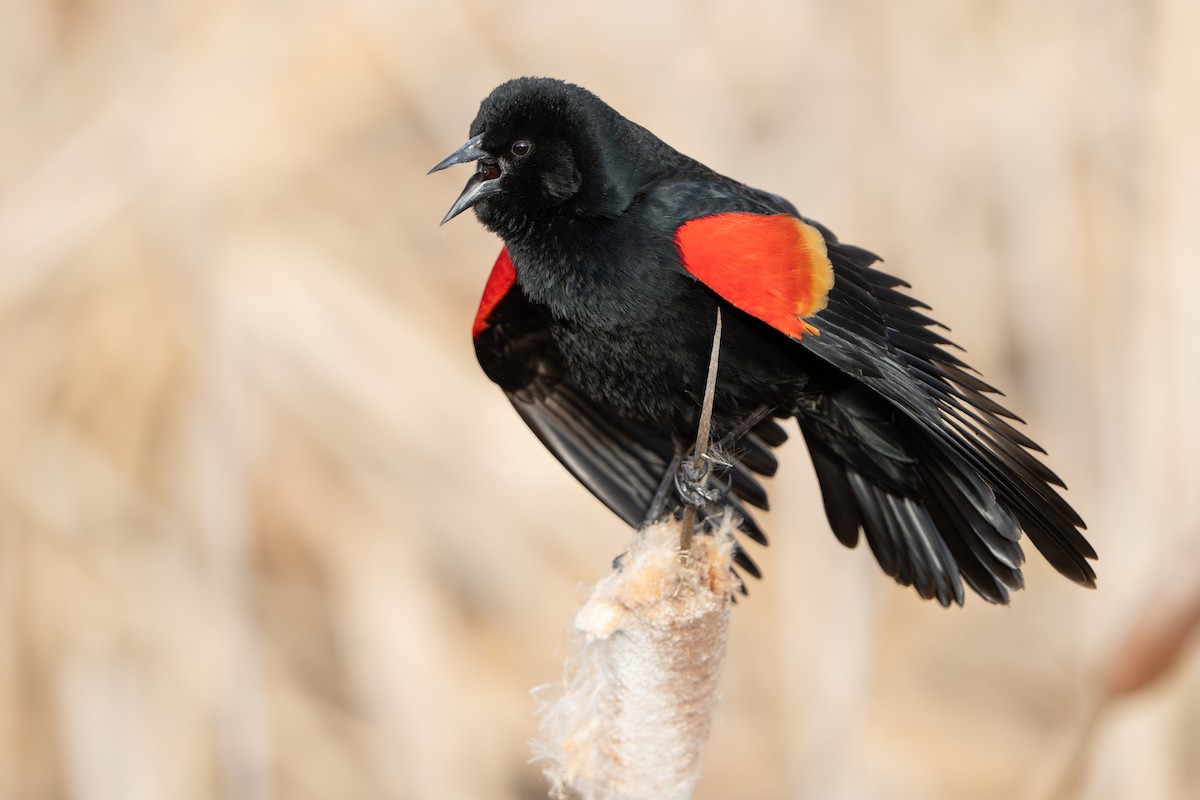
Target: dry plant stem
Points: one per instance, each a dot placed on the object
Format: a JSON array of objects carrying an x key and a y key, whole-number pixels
[
  {"x": 703, "y": 434},
  {"x": 632, "y": 716}
]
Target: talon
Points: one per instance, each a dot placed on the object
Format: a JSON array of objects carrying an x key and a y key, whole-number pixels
[{"x": 695, "y": 485}]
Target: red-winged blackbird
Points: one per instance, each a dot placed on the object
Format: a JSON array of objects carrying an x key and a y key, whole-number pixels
[{"x": 598, "y": 317}]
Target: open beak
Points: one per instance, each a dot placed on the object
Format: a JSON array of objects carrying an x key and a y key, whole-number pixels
[
  {"x": 481, "y": 185},
  {"x": 470, "y": 151}
]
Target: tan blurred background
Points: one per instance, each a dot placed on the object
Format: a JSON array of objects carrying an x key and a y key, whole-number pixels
[{"x": 266, "y": 531}]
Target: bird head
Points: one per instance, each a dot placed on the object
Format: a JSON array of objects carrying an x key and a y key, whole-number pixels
[{"x": 543, "y": 147}]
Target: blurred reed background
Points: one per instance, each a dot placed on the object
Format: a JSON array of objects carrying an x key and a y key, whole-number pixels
[{"x": 266, "y": 531}]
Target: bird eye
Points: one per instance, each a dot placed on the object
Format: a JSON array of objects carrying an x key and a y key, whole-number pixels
[{"x": 521, "y": 147}]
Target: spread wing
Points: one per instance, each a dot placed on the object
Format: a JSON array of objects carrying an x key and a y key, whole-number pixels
[
  {"x": 876, "y": 333},
  {"x": 942, "y": 488}
]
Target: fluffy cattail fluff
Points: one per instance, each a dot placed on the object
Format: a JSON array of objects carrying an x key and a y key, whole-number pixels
[{"x": 633, "y": 713}]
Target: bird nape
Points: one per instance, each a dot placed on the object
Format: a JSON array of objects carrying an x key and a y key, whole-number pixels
[{"x": 597, "y": 322}]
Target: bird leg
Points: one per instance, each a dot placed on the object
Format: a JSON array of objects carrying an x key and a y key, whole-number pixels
[
  {"x": 658, "y": 505},
  {"x": 730, "y": 439}
]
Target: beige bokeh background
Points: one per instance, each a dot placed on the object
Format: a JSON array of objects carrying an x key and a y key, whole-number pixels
[{"x": 266, "y": 531}]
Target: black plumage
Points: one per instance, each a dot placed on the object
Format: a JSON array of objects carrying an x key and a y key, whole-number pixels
[{"x": 598, "y": 325}]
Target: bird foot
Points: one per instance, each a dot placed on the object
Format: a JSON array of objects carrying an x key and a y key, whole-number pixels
[{"x": 695, "y": 485}]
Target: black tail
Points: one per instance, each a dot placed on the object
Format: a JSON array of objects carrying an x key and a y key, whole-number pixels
[{"x": 933, "y": 513}]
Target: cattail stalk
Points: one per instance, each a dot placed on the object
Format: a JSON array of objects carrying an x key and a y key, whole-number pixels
[{"x": 633, "y": 714}]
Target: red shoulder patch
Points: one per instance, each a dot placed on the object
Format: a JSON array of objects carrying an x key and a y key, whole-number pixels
[
  {"x": 774, "y": 267},
  {"x": 503, "y": 276}
]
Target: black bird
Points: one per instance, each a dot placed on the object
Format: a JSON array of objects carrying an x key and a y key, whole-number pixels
[{"x": 597, "y": 322}]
